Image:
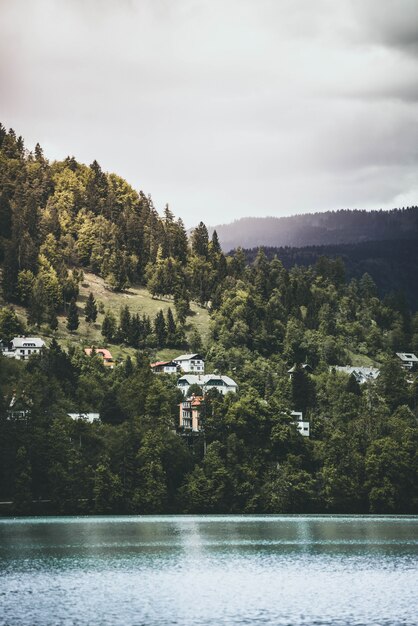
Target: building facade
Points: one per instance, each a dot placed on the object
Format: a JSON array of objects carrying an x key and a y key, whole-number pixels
[{"x": 191, "y": 363}]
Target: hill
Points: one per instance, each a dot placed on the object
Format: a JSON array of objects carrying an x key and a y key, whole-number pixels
[
  {"x": 137, "y": 298},
  {"x": 393, "y": 264},
  {"x": 315, "y": 229}
]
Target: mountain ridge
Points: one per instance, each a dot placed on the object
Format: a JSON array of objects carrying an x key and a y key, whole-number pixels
[{"x": 330, "y": 227}]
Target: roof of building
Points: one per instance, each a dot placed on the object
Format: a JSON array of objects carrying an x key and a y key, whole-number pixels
[
  {"x": 87, "y": 417},
  {"x": 188, "y": 357},
  {"x": 225, "y": 379},
  {"x": 161, "y": 363},
  {"x": 102, "y": 351},
  {"x": 304, "y": 366},
  {"x": 28, "y": 342},
  {"x": 362, "y": 374},
  {"x": 407, "y": 356},
  {"x": 204, "y": 379}
]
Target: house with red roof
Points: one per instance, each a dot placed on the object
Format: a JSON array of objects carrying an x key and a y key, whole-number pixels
[
  {"x": 190, "y": 412},
  {"x": 102, "y": 352},
  {"x": 164, "y": 367}
]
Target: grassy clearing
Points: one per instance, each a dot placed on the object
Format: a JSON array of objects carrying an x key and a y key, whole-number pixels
[
  {"x": 361, "y": 360},
  {"x": 138, "y": 299}
]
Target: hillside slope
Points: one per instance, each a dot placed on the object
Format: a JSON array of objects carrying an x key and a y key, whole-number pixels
[{"x": 138, "y": 299}]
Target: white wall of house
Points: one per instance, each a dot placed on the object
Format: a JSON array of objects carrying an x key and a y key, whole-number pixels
[
  {"x": 191, "y": 364},
  {"x": 22, "y": 348}
]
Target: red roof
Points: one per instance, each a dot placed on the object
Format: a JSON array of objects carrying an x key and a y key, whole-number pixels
[
  {"x": 102, "y": 351},
  {"x": 158, "y": 363}
]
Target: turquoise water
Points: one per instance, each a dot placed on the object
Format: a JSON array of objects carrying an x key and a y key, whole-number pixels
[{"x": 209, "y": 570}]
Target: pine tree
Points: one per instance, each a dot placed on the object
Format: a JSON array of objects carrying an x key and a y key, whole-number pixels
[
  {"x": 200, "y": 240},
  {"x": 171, "y": 329},
  {"x": 52, "y": 319},
  {"x": 90, "y": 311},
  {"x": 160, "y": 328},
  {"x": 72, "y": 317},
  {"x": 125, "y": 324},
  {"x": 195, "y": 340},
  {"x": 109, "y": 326}
]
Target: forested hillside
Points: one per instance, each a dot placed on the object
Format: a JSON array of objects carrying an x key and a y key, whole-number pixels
[
  {"x": 318, "y": 229},
  {"x": 393, "y": 263},
  {"x": 61, "y": 220}
]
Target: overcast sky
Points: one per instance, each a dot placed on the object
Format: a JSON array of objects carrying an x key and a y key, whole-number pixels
[{"x": 222, "y": 108}]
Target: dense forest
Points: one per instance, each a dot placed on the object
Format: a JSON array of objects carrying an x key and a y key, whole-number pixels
[
  {"x": 392, "y": 263},
  {"x": 62, "y": 218},
  {"x": 319, "y": 229}
]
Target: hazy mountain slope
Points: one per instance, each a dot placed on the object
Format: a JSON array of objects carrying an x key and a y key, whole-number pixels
[{"x": 332, "y": 227}]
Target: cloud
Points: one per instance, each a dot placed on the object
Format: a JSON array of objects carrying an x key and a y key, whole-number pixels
[
  {"x": 221, "y": 109},
  {"x": 392, "y": 24}
]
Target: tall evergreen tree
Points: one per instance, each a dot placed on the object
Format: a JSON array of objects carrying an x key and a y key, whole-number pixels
[
  {"x": 200, "y": 241},
  {"x": 171, "y": 329},
  {"x": 72, "y": 317},
  {"x": 90, "y": 311},
  {"x": 160, "y": 328},
  {"x": 109, "y": 326}
]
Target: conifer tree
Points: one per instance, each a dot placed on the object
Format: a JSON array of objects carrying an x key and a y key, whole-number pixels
[
  {"x": 90, "y": 311},
  {"x": 125, "y": 324},
  {"x": 53, "y": 319},
  {"x": 200, "y": 240},
  {"x": 171, "y": 329},
  {"x": 109, "y": 326},
  {"x": 160, "y": 328},
  {"x": 72, "y": 317}
]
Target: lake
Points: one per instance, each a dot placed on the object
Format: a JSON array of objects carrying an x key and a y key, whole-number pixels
[{"x": 209, "y": 570}]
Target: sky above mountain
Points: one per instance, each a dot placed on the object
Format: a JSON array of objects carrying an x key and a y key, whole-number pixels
[{"x": 222, "y": 108}]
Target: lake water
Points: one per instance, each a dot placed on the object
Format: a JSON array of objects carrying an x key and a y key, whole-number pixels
[{"x": 209, "y": 570}]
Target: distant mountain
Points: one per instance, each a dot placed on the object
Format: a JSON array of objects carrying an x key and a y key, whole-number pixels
[
  {"x": 393, "y": 264},
  {"x": 316, "y": 229}
]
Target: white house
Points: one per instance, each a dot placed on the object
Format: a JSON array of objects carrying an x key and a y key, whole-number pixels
[
  {"x": 191, "y": 363},
  {"x": 361, "y": 374},
  {"x": 85, "y": 417},
  {"x": 21, "y": 348},
  {"x": 303, "y": 426},
  {"x": 408, "y": 360},
  {"x": 164, "y": 367},
  {"x": 223, "y": 384}
]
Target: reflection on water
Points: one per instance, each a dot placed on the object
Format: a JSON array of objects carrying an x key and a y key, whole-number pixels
[{"x": 209, "y": 570}]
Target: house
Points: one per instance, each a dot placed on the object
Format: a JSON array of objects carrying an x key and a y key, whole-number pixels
[
  {"x": 408, "y": 360},
  {"x": 303, "y": 426},
  {"x": 21, "y": 348},
  {"x": 164, "y": 367},
  {"x": 189, "y": 414},
  {"x": 19, "y": 407},
  {"x": 361, "y": 374},
  {"x": 85, "y": 417},
  {"x": 224, "y": 384},
  {"x": 105, "y": 354},
  {"x": 304, "y": 366},
  {"x": 191, "y": 363}
]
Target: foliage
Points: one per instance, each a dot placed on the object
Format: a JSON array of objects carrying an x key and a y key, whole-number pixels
[{"x": 269, "y": 320}]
